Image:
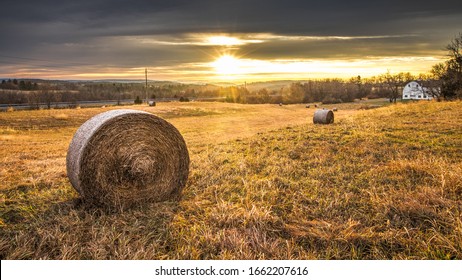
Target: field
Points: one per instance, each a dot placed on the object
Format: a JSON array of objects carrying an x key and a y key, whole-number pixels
[{"x": 265, "y": 183}]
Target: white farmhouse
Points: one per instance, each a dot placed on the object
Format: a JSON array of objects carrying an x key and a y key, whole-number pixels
[{"x": 414, "y": 90}]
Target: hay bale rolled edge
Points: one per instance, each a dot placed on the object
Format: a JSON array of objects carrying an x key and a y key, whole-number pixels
[
  {"x": 323, "y": 116},
  {"x": 147, "y": 156}
]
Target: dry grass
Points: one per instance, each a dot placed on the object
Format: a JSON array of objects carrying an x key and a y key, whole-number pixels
[
  {"x": 61, "y": 116},
  {"x": 377, "y": 184}
]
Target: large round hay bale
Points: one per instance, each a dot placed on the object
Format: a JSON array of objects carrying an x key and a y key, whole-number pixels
[
  {"x": 125, "y": 157},
  {"x": 323, "y": 116}
]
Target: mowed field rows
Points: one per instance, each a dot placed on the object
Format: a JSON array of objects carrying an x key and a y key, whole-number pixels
[{"x": 265, "y": 183}]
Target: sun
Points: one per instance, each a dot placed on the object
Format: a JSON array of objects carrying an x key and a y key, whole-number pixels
[{"x": 227, "y": 65}]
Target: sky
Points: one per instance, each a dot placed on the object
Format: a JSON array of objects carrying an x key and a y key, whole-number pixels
[{"x": 223, "y": 41}]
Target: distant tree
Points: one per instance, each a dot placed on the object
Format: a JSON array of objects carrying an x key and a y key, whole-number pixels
[
  {"x": 22, "y": 85},
  {"x": 138, "y": 100},
  {"x": 395, "y": 83},
  {"x": 33, "y": 99},
  {"x": 263, "y": 96},
  {"x": 433, "y": 81},
  {"x": 295, "y": 94},
  {"x": 47, "y": 96},
  {"x": 360, "y": 90},
  {"x": 451, "y": 71},
  {"x": 234, "y": 94}
]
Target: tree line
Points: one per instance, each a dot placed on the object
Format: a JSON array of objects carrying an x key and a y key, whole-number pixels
[
  {"x": 323, "y": 90},
  {"x": 328, "y": 91},
  {"x": 18, "y": 85}
]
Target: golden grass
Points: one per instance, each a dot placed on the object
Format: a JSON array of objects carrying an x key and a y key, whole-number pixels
[
  {"x": 61, "y": 116},
  {"x": 265, "y": 183}
]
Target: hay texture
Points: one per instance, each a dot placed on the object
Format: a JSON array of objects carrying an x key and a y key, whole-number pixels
[
  {"x": 323, "y": 116},
  {"x": 125, "y": 157}
]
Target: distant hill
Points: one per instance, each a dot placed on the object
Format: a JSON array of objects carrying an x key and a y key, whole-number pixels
[
  {"x": 255, "y": 86},
  {"x": 270, "y": 85}
]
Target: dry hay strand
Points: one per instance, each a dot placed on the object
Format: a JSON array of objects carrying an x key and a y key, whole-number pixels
[
  {"x": 121, "y": 158},
  {"x": 323, "y": 116}
]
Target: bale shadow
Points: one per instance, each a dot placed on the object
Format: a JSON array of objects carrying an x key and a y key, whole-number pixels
[{"x": 73, "y": 229}]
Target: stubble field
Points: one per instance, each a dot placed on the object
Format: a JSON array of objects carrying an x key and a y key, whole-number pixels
[{"x": 265, "y": 183}]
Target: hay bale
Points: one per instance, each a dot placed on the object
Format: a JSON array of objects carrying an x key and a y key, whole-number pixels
[
  {"x": 120, "y": 158},
  {"x": 323, "y": 116}
]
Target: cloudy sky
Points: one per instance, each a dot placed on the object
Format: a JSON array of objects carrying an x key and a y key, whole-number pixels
[{"x": 212, "y": 40}]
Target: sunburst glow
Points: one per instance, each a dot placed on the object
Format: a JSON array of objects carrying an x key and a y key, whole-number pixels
[{"x": 227, "y": 65}]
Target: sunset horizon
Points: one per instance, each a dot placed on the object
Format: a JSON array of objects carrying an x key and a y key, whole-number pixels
[
  {"x": 227, "y": 63},
  {"x": 205, "y": 41}
]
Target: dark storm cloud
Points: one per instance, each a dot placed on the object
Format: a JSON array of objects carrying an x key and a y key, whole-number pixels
[
  {"x": 289, "y": 16},
  {"x": 95, "y": 31}
]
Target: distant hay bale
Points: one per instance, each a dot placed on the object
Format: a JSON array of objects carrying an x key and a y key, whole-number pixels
[
  {"x": 10, "y": 109},
  {"x": 335, "y": 110},
  {"x": 323, "y": 116},
  {"x": 121, "y": 158},
  {"x": 152, "y": 103}
]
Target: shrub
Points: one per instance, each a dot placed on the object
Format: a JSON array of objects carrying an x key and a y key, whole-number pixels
[{"x": 138, "y": 100}]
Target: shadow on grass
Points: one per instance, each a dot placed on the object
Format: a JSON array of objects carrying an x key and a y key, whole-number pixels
[{"x": 72, "y": 229}]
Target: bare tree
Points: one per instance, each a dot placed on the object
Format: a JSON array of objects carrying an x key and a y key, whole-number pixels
[
  {"x": 433, "y": 81},
  {"x": 47, "y": 96},
  {"x": 395, "y": 83},
  {"x": 452, "y": 79}
]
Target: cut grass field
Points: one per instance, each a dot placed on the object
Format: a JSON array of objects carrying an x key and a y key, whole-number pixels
[{"x": 265, "y": 183}]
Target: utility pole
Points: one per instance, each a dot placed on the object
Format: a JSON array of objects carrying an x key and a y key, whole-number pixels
[{"x": 146, "y": 87}]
